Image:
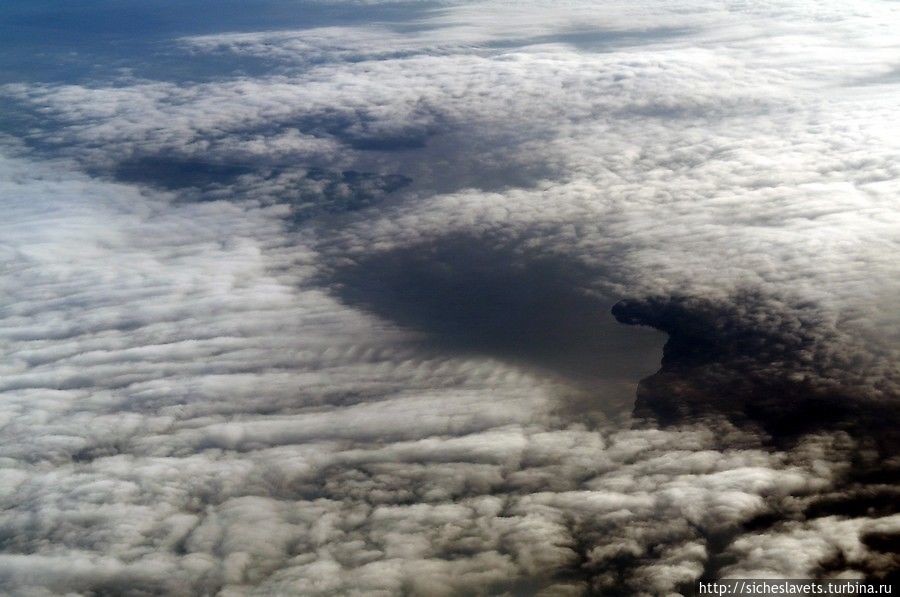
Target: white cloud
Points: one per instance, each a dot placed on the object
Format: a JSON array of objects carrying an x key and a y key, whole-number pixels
[{"x": 187, "y": 408}]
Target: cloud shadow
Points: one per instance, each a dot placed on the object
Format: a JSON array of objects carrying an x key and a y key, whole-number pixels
[{"x": 469, "y": 295}]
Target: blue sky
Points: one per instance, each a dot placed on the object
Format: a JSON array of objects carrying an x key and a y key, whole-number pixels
[{"x": 51, "y": 41}]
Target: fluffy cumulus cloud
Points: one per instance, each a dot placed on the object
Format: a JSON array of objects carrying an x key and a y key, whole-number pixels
[{"x": 382, "y": 314}]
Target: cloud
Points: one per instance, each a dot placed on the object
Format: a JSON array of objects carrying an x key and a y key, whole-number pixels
[{"x": 347, "y": 326}]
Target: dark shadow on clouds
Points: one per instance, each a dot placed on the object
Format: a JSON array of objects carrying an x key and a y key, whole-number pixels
[
  {"x": 176, "y": 173},
  {"x": 309, "y": 191},
  {"x": 761, "y": 361},
  {"x": 595, "y": 40},
  {"x": 472, "y": 296}
]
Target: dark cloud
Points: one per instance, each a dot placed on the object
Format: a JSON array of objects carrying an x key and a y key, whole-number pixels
[{"x": 761, "y": 360}]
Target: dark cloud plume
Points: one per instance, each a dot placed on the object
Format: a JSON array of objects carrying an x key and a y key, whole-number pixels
[
  {"x": 765, "y": 360},
  {"x": 769, "y": 363}
]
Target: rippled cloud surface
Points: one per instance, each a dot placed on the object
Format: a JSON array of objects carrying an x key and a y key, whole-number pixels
[{"x": 447, "y": 298}]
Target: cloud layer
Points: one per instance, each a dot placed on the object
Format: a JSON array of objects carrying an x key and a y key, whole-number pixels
[{"x": 349, "y": 325}]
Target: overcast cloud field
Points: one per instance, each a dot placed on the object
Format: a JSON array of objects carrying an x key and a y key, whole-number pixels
[{"x": 447, "y": 298}]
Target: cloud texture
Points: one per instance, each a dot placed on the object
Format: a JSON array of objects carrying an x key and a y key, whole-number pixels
[{"x": 351, "y": 324}]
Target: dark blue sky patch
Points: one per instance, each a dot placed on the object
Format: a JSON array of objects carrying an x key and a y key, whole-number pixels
[{"x": 102, "y": 40}]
